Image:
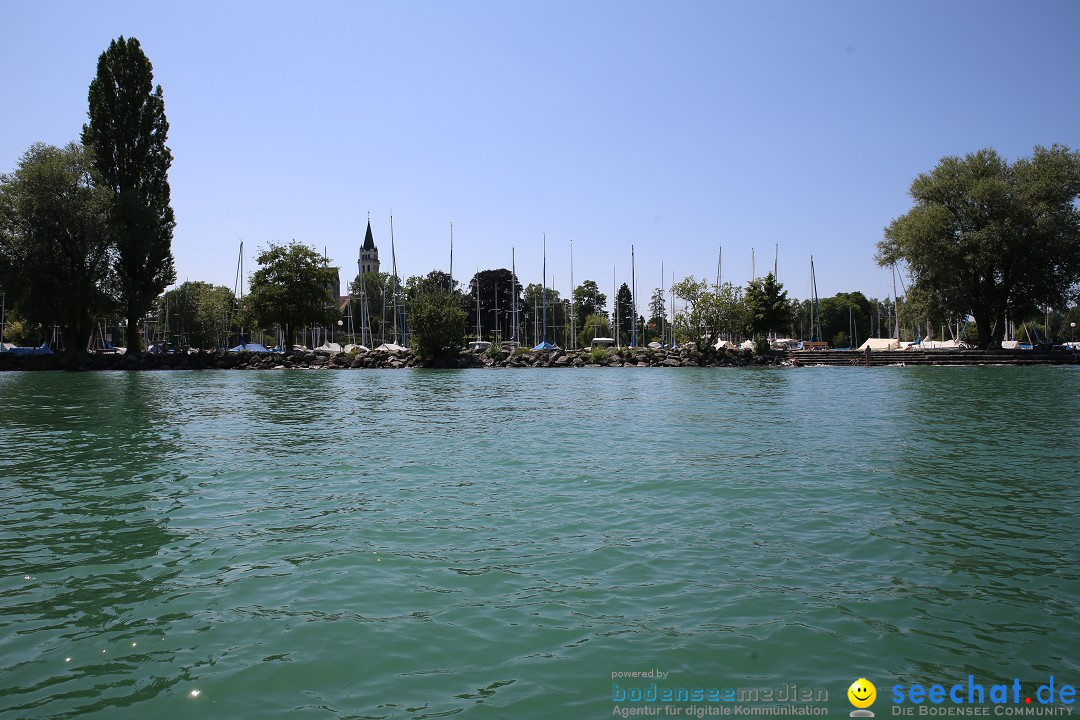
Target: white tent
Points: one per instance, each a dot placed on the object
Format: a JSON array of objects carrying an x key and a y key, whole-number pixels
[
  {"x": 880, "y": 344},
  {"x": 940, "y": 344}
]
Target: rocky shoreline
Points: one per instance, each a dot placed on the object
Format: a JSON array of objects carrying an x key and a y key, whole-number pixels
[{"x": 378, "y": 359}]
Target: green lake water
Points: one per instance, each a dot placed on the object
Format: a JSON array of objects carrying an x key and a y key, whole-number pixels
[{"x": 496, "y": 544}]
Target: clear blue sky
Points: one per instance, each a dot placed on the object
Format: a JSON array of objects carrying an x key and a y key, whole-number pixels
[{"x": 678, "y": 127}]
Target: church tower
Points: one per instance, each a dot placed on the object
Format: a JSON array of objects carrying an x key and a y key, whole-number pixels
[{"x": 369, "y": 254}]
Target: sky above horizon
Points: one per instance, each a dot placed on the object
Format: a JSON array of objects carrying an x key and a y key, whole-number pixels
[{"x": 677, "y": 128}]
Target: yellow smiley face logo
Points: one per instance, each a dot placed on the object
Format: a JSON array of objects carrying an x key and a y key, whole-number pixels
[{"x": 862, "y": 693}]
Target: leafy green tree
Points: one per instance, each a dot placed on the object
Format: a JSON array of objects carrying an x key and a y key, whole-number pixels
[
  {"x": 921, "y": 311},
  {"x": 292, "y": 287},
  {"x": 881, "y": 317},
  {"x": 766, "y": 305},
  {"x": 56, "y": 247},
  {"x": 593, "y": 326},
  {"x": 496, "y": 298},
  {"x": 19, "y": 331},
  {"x": 1070, "y": 324},
  {"x": 437, "y": 319},
  {"x": 127, "y": 133},
  {"x": 644, "y": 336},
  {"x": 847, "y": 313},
  {"x": 710, "y": 313},
  {"x": 588, "y": 300},
  {"x": 435, "y": 280},
  {"x": 658, "y": 312},
  {"x": 378, "y": 288},
  {"x": 532, "y": 319},
  {"x": 198, "y": 312},
  {"x": 992, "y": 239}
]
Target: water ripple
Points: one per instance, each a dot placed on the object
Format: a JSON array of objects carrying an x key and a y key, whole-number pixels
[{"x": 432, "y": 544}]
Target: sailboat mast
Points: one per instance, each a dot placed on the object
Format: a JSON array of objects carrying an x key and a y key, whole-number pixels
[
  {"x": 895, "y": 306},
  {"x": 573, "y": 315},
  {"x": 615, "y": 304},
  {"x": 816, "y": 308},
  {"x": 719, "y": 257},
  {"x": 451, "y": 288},
  {"x": 239, "y": 283},
  {"x": 393, "y": 285},
  {"x": 364, "y": 329},
  {"x": 477, "y": 304},
  {"x": 513, "y": 294},
  {"x": 633, "y": 299},
  {"x": 545, "y": 289},
  {"x": 672, "y": 308},
  {"x": 328, "y": 332}
]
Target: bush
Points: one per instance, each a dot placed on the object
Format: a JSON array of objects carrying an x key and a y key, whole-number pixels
[{"x": 597, "y": 356}]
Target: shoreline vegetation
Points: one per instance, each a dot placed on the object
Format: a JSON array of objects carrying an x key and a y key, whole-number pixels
[{"x": 595, "y": 358}]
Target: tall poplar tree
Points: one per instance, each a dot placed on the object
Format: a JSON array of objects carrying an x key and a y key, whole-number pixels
[
  {"x": 127, "y": 132},
  {"x": 624, "y": 314}
]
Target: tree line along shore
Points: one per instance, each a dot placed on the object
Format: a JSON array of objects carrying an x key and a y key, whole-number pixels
[{"x": 990, "y": 249}]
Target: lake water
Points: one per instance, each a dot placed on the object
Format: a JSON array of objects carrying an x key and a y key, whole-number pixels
[{"x": 497, "y": 544}]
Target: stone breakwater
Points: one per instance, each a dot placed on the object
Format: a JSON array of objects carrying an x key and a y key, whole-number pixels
[{"x": 377, "y": 359}]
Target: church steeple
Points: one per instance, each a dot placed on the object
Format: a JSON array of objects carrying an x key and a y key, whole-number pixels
[
  {"x": 369, "y": 242},
  {"x": 369, "y": 254}
]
